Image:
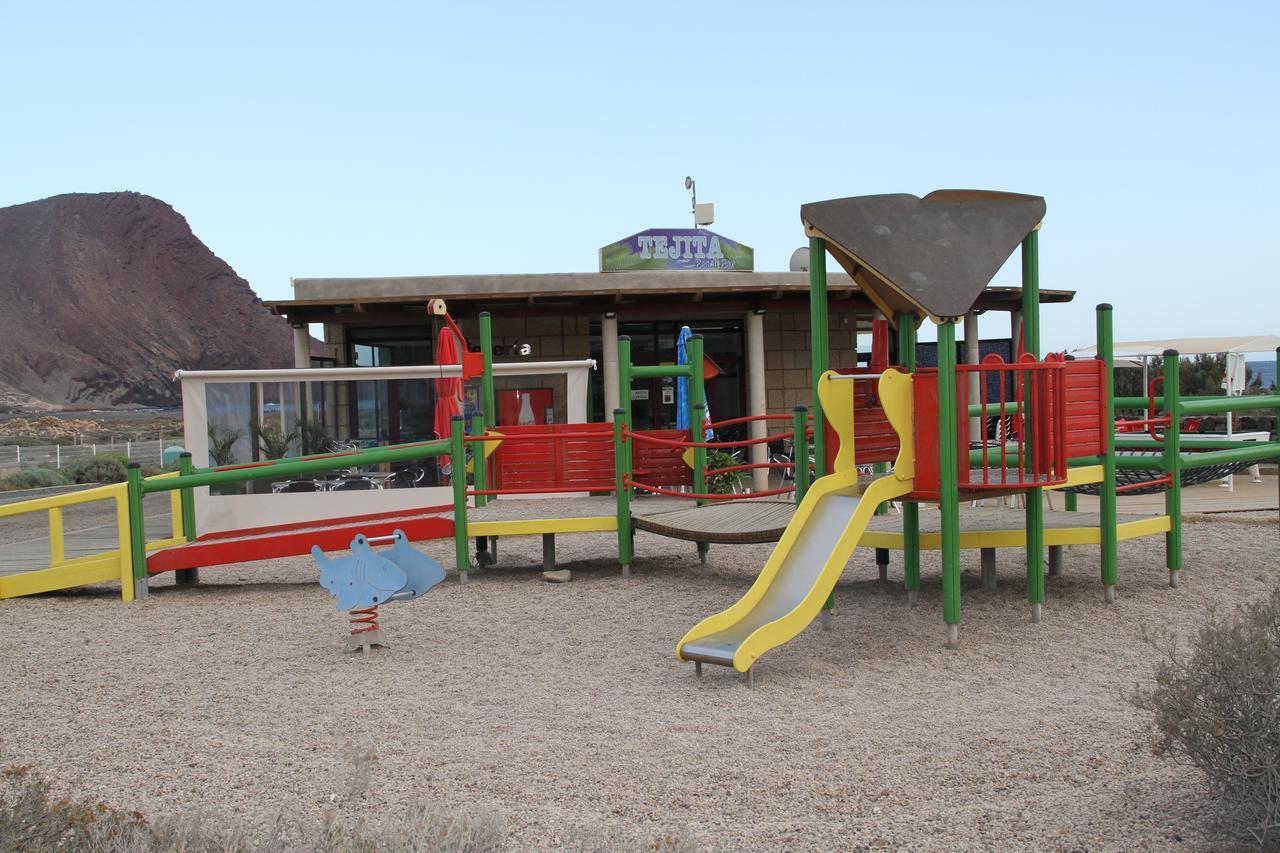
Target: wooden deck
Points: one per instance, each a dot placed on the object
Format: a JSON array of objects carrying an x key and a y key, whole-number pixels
[{"x": 729, "y": 523}]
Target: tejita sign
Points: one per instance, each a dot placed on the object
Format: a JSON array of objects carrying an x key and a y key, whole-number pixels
[{"x": 677, "y": 249}]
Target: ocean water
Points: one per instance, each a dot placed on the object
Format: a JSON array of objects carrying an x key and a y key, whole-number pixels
[{"x": 1265, "y": 369}]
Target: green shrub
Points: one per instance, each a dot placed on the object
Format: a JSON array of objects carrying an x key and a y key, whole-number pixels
[
  {"x": 727, "y": 482},
  {"x": 35, "y": 478},
  {"x": 222, "y": 444},
  {"x": 274, "y": 443},
  {"x": 103, "y": 468},
  {"x": 1216, "y": 707}
]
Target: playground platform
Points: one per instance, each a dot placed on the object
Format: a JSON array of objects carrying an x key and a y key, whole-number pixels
[{"x": 1000, "y": 527}]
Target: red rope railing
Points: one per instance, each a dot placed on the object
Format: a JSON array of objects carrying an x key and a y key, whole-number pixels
[
  {"x": 601, "y": 487},
  {"x": 1166, "y": 480},
  {"x": 712, "y": 445},
  {"x": 704, "y": 496},
  {"x": 750, "y": 418}
]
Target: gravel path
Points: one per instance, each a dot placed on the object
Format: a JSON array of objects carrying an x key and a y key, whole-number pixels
[{"x": 559, "y": 709}]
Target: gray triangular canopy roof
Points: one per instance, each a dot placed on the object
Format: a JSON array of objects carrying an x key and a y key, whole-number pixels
[{"x": 931, "y": 256}]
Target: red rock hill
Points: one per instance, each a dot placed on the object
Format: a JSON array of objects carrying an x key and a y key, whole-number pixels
[{"x": 103, "y": 296}]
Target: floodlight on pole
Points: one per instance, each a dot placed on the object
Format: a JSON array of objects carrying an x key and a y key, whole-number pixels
[{"x": 692, "y": 186}]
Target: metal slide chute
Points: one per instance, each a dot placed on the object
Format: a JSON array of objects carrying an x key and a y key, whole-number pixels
[{"x": 817, "y": 544}]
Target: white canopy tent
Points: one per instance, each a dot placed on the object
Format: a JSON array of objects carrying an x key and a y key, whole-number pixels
[{"x": 1236, "y": 347}]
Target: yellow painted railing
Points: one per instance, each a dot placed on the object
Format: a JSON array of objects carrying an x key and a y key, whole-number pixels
[{"x": 62, "y": 573}]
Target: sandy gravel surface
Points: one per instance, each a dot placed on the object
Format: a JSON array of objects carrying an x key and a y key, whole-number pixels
[{"x": 560, "y": 709}]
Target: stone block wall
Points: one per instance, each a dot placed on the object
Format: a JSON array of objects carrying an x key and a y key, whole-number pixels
[{"x": 788, "y": 355}]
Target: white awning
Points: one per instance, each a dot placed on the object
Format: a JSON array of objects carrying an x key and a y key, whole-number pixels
[{"x": 1188, "y": 346}]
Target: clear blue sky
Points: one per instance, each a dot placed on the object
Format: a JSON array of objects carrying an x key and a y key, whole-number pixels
[{"x": 318, "y": 139}]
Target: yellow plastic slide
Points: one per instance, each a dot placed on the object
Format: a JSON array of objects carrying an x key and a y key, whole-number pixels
[{"x": 817, "y": 544}]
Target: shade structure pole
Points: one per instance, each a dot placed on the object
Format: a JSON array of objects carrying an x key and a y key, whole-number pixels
[
  {"x": 1035, "y": 496},
  {"x": 1107, "y": 492},
  {"x": 949, "y": 480},
  {"x": 910, "y": 509},
  {"x": 819, "y": 353}
]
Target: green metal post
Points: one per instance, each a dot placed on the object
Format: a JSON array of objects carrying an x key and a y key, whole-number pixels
[
  {"x": 697, "y": 417},
  {"x": 819, "y": 355},
  {"x": 136, "y": 547},
  {"x": 185, "y": 468},
  {"x": 487, "y": 400},
  {"x": 800, "y": 450},
  {"x": 698, "y": 411},
  {"x": 1035, "y": 497},
  {"x": 624, "y": 394},
  {"x": 1031, "y": 293},
  {"x": 949, "y": 476},
  {"x": 458, "y": 458},
  {"x": 1173, "y": 466},
  {"x": 480, "y": 479},
  {"x": 910, "y": 509},
  {"x": 186, "y": 501},
  {"x": 622, "y": 493},
  {"x": 478, "y": 464},
  {"x": 1107, "y": 492}
]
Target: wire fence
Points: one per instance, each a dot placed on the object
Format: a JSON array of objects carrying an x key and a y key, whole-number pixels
[{"x": 148, "y": 451}]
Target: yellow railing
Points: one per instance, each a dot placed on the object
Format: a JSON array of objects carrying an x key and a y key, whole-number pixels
[{"x": 62, "y": 573}]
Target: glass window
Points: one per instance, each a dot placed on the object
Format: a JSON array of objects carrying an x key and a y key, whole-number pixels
[{"x": 653, "y": 403}]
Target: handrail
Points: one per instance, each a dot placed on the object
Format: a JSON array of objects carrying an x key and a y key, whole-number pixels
[
  {"x": 97, "y": 493},
  {"x": 300, "y": 465},
  {"x": 110, "y": 565}
]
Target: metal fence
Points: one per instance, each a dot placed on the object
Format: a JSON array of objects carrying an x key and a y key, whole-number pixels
[{"x": 148, "y": 451}]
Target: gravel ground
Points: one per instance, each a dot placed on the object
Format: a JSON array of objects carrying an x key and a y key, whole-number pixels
[{"x": 560, "y": 710}]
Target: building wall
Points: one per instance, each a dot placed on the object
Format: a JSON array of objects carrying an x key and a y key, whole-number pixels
[
  {"x": 788, "y": 358},
  {"x": 553, "y": 338}
]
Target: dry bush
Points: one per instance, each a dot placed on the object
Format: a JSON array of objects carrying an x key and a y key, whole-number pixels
[
  {"x": 1216, "y": 706},
  {"x": 32, "y": 819}
]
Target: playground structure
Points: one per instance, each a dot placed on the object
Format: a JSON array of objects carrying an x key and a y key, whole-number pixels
[{"x": 1033, "y": 424}]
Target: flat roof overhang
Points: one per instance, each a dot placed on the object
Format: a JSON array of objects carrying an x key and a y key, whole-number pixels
[{"x": 319, "y": 300}]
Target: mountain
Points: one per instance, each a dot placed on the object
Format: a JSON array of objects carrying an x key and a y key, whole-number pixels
[{"x": 104, "y": 295}]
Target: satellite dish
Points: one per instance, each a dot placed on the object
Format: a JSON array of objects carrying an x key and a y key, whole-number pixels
[
  {"x": 800, "y": 260},
  {"x": 688, "y": 182}
]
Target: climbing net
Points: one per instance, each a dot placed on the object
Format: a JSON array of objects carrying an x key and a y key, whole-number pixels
[{"x": 1153, "y": 482}]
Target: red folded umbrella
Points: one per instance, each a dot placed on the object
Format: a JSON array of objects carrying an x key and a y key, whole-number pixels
[{"x": 448, "y": 389}]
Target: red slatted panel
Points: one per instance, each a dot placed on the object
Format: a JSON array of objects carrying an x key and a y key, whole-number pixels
[
  {"x": 1085, "y": 421},
  {"x": 874, "y": 439},
  {"x": 925, "y": 391},
  {"x": 555, "y": 463},
  {"x": 659, "y": 464}
]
